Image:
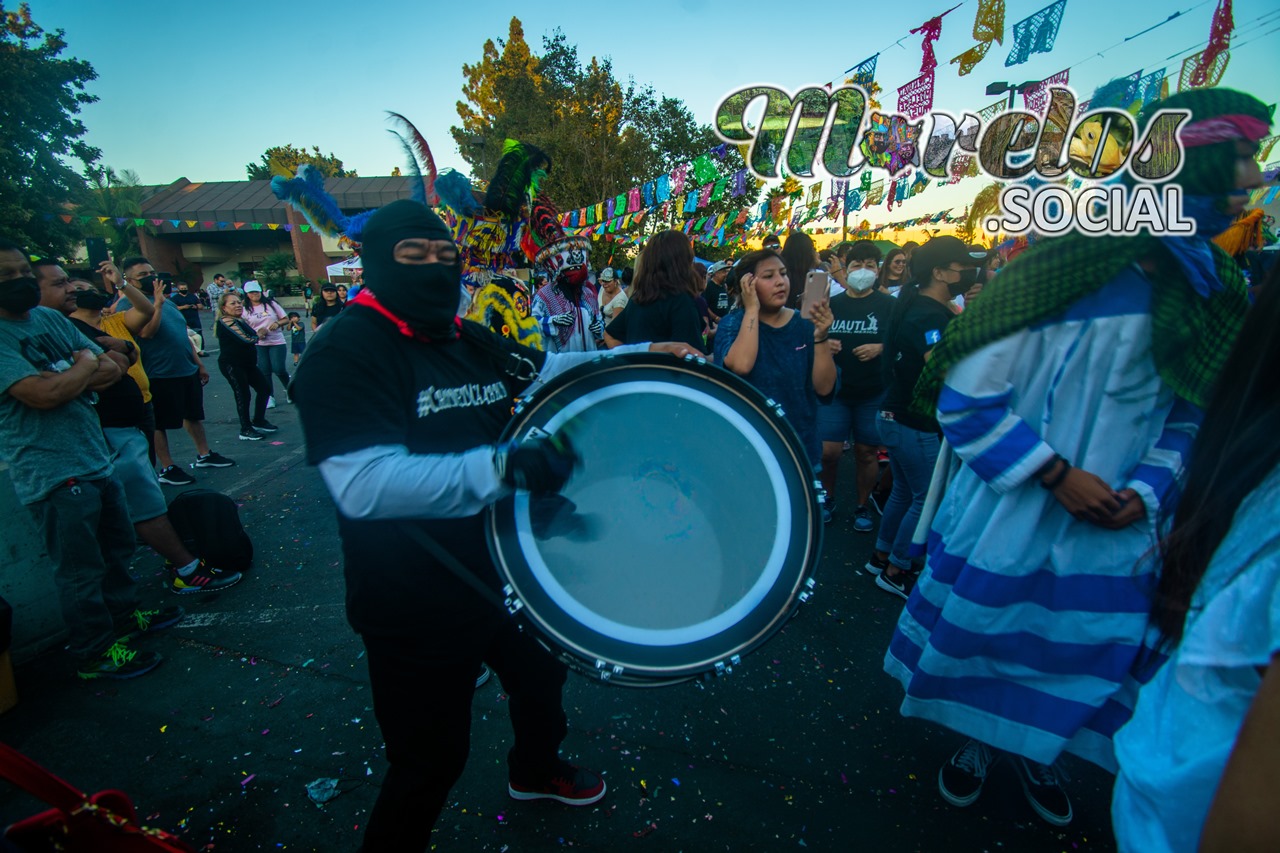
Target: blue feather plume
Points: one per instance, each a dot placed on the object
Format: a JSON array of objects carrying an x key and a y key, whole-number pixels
[
  {"x": 455, "y": 191},
  {"x": 355, "y": 226},
  {"x": 307, "y": 195}
]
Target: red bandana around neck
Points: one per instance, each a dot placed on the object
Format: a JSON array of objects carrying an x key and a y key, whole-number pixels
[{"x": 366, "y": 298}]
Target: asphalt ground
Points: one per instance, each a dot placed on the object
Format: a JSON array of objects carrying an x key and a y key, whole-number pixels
[{"x": 264, "y": 690}]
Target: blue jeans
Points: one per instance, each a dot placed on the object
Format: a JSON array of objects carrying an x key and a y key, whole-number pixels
[
  {"x": 90, "y": 541},
  {"x": 272, "y": 359},
  {"x": 912, "y": 455}
]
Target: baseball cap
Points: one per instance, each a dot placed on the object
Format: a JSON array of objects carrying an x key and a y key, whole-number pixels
[
  {"x": 328, "y": 285},
  {"x": 939, "y": 252},
  {"x": 251, "y": 286},
  {"x": 717, "y": 266}
]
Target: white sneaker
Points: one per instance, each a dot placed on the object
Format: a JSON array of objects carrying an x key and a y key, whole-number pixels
[{"x": 271, "y": 402}]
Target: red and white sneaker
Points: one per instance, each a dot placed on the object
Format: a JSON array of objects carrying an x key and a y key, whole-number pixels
[{"x": 573, "y": 786}]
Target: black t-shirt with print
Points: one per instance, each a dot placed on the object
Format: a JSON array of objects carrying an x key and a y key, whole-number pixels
[
  {"x": 363, "y": 384},
  {"x": 918, "y": 332},
  {"x": 119, "y": 405},
  {"x": 717, "y": 299},
  {"x": 858, "y": 321},
  {"x": 671, "y": 318}
]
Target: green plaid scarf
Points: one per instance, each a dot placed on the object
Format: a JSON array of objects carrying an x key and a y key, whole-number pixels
[{"x": 1192, "y": 335}]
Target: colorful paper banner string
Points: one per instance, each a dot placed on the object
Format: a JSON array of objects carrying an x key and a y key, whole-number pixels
[{"x": 1036, "y": 33}]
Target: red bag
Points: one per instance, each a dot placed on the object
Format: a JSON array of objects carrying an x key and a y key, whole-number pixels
[{"x": 103, "y": 823}]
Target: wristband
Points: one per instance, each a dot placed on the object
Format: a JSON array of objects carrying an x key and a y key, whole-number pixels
[
  {"x": 823, "y": 339},
  {"x": 1062, "y": 475}
]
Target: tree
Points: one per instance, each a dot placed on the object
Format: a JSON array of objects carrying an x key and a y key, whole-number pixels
[
  {"x": 984, "y": 205},
  {"x": 273, "y": 273},
  {"x": 114, "y": 196},
  {"x": 603, "y": 137},
  {"x": 40, "y": 134},
  {"x": 285, "y": 160}
]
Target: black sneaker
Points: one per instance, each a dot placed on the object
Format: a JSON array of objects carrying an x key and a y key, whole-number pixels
[
  {"x": 875, "y": 565},
  {"x": 250, "y": 434},
  {"x": 203, "y": 579},
  {"x": 570, "y": 785},
  {"x": 213, "y": 460},
  {"x": 483, "y": 676},
  {"x": 149, "y": 621},
  {"x": 175, "y": 476},
  {"x": 900, "y": 586},
  {"x": 119, "y": 662},
  {"x": 265, "y": 426},
  {"x": 961, "y": 779},
  {"x": 1042, "y": 784}
]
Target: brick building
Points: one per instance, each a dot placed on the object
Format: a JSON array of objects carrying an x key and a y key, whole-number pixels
[{"x": 198, "y": 229}]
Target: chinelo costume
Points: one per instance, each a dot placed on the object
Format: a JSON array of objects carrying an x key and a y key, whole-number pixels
[
  {"x": 567, "y": 307},
  {"x": 1028, "y": 630}
]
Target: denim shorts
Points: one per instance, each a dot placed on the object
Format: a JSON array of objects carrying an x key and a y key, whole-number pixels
[
  {"x": 844, "y": 420},
  {"x": 129, "y": 455}
]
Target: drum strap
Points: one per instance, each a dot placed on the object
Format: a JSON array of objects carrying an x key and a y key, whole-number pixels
[{"x": 451, "y": 563}]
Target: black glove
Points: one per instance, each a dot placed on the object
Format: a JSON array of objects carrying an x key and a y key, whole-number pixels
[{"x": 537, "y": 465}]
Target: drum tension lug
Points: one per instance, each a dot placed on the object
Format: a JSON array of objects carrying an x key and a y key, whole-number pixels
[
  {"x": 607, "y": 670},
  {"x": 510, "y": 601},
  {"x": 809, "y": 584}
]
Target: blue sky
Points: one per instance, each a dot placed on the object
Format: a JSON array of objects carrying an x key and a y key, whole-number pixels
[{"x": 218, "y": 83}]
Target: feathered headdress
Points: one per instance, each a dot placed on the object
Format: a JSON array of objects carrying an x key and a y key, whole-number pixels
[
  {"x": 545, "y": 242},
  {"x": 307, "y": 195}
]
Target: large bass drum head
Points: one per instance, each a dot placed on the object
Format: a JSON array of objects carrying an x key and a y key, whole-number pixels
[{"x": 685, "y": 538}]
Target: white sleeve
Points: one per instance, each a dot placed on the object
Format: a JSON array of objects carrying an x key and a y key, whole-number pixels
[
  {"x": 559, "y": 362},
  {"x": 387, "y": 481}
]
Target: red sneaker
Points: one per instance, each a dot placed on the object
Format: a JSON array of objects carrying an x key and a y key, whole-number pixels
[{"x": 570, "y": 785}]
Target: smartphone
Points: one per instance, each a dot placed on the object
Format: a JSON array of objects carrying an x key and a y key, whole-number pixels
[
  {"x": 817, "y": 288},
  {"x": 97, "y": 249}
]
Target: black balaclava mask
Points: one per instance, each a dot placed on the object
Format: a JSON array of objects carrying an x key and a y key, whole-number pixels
[{"x": 425, "y": 296}]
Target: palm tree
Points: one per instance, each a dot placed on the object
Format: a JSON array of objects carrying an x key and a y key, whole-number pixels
[
  {"x": 985, "y": 204},
  {"x": 114, "y": 196}
]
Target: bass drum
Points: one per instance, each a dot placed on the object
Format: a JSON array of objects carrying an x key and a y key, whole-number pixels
[{"x": 685, "y": 539}]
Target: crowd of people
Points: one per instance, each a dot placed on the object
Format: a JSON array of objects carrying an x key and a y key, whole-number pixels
[{"x": 1068, "y": 447}]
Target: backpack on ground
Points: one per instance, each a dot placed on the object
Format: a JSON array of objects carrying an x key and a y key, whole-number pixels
[{"x": 209, "y": 525}]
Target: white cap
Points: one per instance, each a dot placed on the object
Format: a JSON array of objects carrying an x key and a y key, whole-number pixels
[{"x": 252, "y": 286}]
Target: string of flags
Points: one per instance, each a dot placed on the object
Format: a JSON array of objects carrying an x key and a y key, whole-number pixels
[{"x": 179, "y": 224}]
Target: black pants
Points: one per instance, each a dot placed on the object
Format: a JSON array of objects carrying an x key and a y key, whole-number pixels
[
  {"x": 241, "y": 380},
  {"x": 422, "y": 692}
]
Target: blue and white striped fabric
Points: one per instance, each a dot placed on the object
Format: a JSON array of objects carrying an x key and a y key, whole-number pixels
[{"x": 1028, "y": 629}]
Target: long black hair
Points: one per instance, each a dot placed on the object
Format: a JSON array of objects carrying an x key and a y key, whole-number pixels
[
  {"x": 799, "y": 256},
  {"x": 907, "y": 296},
  {"x": 1236, "y": 448},
  {"x": 882, "y": 280}
]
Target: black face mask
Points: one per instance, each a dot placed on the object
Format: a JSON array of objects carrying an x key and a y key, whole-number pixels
[
  {"x": 92, "y": 300},
  {"x": 968, "y": 278},
  {"x": 425, "y": 296},
  {"x": 19, "y": 295}
]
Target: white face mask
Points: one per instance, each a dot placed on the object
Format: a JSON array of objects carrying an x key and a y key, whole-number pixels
[{"x": 860, "y": 280}]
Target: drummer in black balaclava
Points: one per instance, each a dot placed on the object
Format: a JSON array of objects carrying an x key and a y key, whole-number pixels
[{"x": 402, "y": 404}]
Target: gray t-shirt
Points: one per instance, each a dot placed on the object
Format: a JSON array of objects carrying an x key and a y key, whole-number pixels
[
  {"x": 168, "y": 355},
  {"x": 45, "y": 448}
]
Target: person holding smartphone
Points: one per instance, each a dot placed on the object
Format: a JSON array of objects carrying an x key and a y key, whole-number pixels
[{"x": 783, "y": 354}]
